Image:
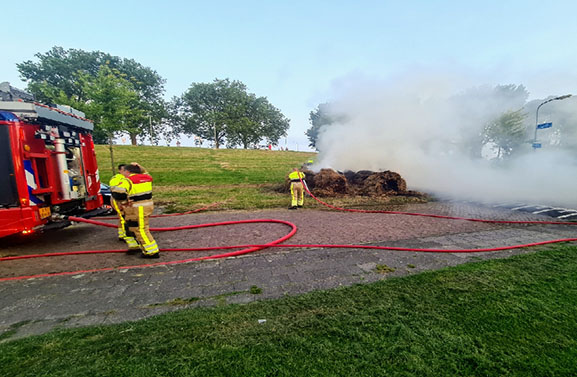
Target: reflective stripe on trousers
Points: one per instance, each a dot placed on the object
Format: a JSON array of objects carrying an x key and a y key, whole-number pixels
[
  {"x": 131, "y": 243},
  {"x": 121, "y": 231},
  {"x": 137, "y": 220}
]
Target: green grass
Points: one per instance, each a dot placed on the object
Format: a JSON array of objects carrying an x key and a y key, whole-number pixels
[
  {"x": 194, "y": 177},
  {"x": 384, "y": 269},
  {"x": 190, "y": 178},
  {"x": 508, "y": 317}
]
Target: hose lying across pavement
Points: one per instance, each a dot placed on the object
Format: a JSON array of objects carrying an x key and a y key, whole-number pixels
[{"x": 245, "y": 249}]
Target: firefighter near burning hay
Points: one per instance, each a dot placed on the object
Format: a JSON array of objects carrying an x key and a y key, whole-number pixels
[
  {"x": 137, "y": 186},
  {"x": 297, "y": 183}
]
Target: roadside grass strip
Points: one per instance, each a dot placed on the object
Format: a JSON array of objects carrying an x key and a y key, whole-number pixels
[{"x": 506, "y": 317}]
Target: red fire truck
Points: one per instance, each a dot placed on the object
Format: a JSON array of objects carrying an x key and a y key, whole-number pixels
[{"x": 48, "y": 167}]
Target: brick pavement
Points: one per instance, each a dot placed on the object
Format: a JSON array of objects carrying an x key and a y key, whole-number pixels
[{"x": 38, "y": 305}]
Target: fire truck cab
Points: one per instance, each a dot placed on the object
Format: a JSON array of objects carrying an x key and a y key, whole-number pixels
[{"x": 48, "y": 167}]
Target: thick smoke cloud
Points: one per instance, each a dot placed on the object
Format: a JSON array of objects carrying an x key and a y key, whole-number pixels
[{"x": 427, "y": 128}]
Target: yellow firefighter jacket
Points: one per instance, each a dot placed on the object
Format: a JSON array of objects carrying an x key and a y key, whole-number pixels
[{"x": 295, "y": 175}]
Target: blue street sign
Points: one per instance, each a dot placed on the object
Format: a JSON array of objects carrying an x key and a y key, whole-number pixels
[
  {"x": 544, "y": 125},
  {"x": 536, "y": 145}
]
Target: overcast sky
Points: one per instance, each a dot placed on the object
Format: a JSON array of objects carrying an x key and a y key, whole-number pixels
[{"x": 295, "y": 52}]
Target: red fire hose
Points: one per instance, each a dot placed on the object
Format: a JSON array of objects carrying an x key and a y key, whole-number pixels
[{"x": 245, "y": 249}]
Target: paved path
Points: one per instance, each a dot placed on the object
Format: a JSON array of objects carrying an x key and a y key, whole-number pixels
[{"x": 38, "y": 305}]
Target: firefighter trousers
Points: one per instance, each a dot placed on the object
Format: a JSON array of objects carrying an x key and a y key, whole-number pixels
[
  {"x": 138, "y": 229},
  {"x": 120, "y": 212},
  {"x": 297, "y": 194}
]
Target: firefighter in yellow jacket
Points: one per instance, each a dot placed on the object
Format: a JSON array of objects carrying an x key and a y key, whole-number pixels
[
  {"x": 139, "y": 207},
  {"x": 297, "y": 189},
  {"x": 118, "y": 200}
]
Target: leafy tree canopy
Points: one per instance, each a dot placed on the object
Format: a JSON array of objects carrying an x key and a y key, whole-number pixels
[
  {"x": 480, "y": 109},
  {"x": 223, "y": 112},
  {"x": 507, "y": 132},
  {"x": 69, "y": 76},
  {"x": 320, "y": 117}
]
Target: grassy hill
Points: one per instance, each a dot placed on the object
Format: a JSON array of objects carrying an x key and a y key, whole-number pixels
[{"x": 193, "y": 177}]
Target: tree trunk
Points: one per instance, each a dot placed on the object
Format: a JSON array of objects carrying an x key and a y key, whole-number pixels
[
  {"x": 133, "y": 138},
  {"x": 216, "y": 143},
  {"x": 111, "y": 154}
]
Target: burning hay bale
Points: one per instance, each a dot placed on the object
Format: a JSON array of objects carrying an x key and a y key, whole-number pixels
[
  {"x": 328, "y": 182},
  {"x": 357, "y": 178},
  {"x": 370, "y": 183},
  {"x": 383, "y": 183}
]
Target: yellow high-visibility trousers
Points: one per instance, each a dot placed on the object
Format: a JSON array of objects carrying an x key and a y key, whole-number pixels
[
  {"x": 119, "y": 211},
  {"x": 297, "y": 194},
  {"x": 138, "y": 227}
]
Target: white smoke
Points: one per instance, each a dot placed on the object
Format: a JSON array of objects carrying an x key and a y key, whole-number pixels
[{"x": 419, "y": 126}]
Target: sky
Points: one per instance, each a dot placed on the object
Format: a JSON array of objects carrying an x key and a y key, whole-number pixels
[{"x": 298, "y": 53}]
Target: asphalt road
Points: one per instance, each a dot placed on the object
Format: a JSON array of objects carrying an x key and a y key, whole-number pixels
[{"x": 35, "y": 306}]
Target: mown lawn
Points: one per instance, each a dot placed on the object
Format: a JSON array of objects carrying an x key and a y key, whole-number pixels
[
  {"x": 511, "y": 317},
  {"x": 194, "y": 177},
  {"x": 190, "y": 178}
]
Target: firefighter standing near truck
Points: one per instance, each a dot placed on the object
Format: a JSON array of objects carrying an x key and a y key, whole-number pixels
[
  {"x": 139, "y": 206},
  {"x": 297, "y": 190},
  {"x": 119, "y": 199}
]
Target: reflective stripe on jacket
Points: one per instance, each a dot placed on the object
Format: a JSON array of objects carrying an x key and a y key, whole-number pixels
[{"x": 140, "y": 188}]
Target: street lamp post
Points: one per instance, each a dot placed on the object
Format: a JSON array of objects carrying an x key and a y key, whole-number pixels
[{"x": 537, "y": 112}]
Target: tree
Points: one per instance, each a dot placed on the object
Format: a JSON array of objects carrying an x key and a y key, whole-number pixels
[
  {"x": 112, "y": 105},
  {"x": 507, "y": 132},
  {"x": 175, "y": 118},
  {"x": 319, "y": 118},
  {"x": 477, "y": 109},
  {"x": 62, "y": 76},
  {"x": 223, "y": 111},
  {"x": 274, "y": 124},
  {"x": 255, "y": 119}
]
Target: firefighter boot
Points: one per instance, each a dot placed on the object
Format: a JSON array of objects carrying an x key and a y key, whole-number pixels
[
  {"x": 133, "y": 246},
  {"x": 150, "y": 250}
]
